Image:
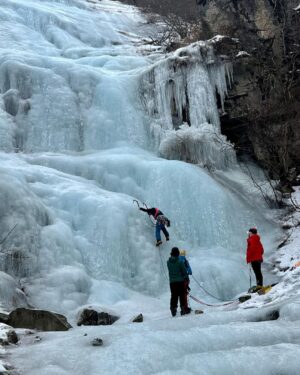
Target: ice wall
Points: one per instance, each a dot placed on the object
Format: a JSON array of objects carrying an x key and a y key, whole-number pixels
[
  {"x": 180, "y": 95},
  {"x": 60, "y": 80},
  {"x": 86, "y": 112}
]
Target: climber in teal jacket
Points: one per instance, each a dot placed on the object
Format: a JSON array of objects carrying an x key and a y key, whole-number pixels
[{"x": 177, "y": 276}]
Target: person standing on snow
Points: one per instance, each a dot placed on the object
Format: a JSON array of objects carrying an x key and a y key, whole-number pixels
[
  {"x": 177, "y": 276},
  {"x": 183, "y": 259},
  {"x": 161, "y": 222},
  {"x": 255, "y": 252}
]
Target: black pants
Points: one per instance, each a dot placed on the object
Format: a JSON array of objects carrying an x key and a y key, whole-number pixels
[
  {"x": 177, "y": 292},
  {"x": 257, "y": 270}
]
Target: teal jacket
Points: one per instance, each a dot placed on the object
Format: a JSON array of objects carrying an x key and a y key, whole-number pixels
[{"x": 177, "y": 270}]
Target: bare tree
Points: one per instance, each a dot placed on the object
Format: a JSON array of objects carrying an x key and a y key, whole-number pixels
[{"x": 174, "y": 31}]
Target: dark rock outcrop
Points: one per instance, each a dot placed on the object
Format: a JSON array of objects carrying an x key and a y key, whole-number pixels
[
  {"x": 138, "y": 319},
  {"x": 8, "y": 335},
  {"x": 89, "y": 317},
  {"x": 266, "y": 316},
  {"x": 245, "y": 298},
  {"x": 4, "y": 318},
  {"x": 97, "y": 342},
  {"x": 12, "y": 337},
  {"x": 38, "y": 319}
]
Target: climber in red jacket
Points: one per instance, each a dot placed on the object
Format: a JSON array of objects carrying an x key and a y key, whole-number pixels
[{"x": 255, "y": 252}]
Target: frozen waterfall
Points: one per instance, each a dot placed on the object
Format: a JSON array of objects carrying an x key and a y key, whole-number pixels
[{"x": 90, "y": 116}]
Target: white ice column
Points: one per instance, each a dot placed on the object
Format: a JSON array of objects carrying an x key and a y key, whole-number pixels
[{"x": 180, "y": 96}]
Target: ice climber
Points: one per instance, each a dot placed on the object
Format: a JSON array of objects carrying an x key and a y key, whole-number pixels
[
  {"x": 255, "y": 252},
  {"x": 177, "y": 277},
  {"x": 161, "y": 222},
  {"x": 182, "y": 258}
]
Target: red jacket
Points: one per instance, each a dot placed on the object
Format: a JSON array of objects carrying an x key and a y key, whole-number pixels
[{"x": 255, "y": 249}]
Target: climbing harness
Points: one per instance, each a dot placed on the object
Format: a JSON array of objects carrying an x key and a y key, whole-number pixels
[{"x": 12, "y": 229}]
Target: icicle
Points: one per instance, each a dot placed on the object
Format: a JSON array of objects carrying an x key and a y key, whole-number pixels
[{"x": 181, "y": 90}]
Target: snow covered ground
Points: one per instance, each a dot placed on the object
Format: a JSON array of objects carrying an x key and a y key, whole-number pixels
[
  {"x": 235, "y": 339},
  {"x": 86, "y": 113},
  {"x": 217, "y": 343}
]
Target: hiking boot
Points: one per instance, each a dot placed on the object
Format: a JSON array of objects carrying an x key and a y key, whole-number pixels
[
  {"x": 158, "y": 243},
  {"x": 186, "y": 311},
  {"x": 173, "y": 312}
]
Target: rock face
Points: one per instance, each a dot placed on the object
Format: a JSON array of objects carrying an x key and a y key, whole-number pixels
[
  {"x": 38, "y": 319},
  {"x": 262, "y": 111},
  {"x": 90, "y": 317}
]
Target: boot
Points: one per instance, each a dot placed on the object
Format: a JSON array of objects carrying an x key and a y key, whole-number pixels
[
  {"x": 158, "y": 242},
  {"x": 186, "y": 311},
  {"x": 173, "y": 312},
  {"x": 167, "y": 238}
]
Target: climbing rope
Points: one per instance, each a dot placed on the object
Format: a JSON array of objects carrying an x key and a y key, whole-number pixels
[
  {"x": 211, "y": 295},
  {"x": 162, "y": 265},
  {"x": 205, "y": 291},
  {"x": 12, "y": 229},
  {"x": 213, "y": 305},
  {"x": 193, "y": 297}
]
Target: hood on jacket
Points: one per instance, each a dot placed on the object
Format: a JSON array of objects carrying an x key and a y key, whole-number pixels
[{"x": 173, "y": 259}]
